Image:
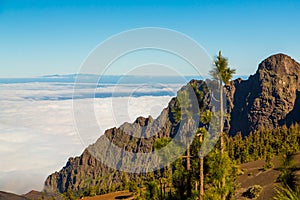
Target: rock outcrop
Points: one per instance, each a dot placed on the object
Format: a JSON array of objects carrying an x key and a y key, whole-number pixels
[{"x": 269, "y": 98}]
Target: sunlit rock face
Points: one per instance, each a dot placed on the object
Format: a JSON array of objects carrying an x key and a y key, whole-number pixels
[{"x": 269, "y": 98}]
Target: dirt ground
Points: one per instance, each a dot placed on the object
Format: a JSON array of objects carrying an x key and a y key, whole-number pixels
[
  {"x": 255, "y": 175},
  {"x": 112, "y": 196}
]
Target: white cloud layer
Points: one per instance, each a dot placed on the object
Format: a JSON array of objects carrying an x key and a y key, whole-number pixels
[{"x": 38, "y": 134}]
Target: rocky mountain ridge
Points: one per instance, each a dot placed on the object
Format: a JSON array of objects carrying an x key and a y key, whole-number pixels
[
  {"x": 269, "y": 98},
  {"x": 136, "y": 137}
]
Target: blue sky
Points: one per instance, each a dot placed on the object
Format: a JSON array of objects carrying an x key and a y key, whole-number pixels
[{"x": 54, "y": 37}]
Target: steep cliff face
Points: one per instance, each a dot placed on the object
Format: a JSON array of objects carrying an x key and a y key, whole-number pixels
[
  {"x": 269, "y": 98},
  {"x": 266, "y": 99},
  {"x": 85, "y": 170},
  {"x": 78, "y": 173}
]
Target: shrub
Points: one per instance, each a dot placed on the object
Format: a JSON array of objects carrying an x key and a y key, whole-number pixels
[
  {"x": 133, "y": 186},
  {"x": 269, "y": 163},
  {"x": 253, "y": 192}
]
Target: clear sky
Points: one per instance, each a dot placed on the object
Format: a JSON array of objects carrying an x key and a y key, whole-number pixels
[{"x": 39, "y": 37}]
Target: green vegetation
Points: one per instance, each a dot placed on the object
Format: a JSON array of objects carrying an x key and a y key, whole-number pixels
[
  {"x": 264, "y": 143},
  {"x": 288, "y": 190},
  {"x": 268, "y": 160},
  {"x": 220, "y": 168},
  {"x": 69, "y": 195},
  {"x": 171, "y": 181},
  {"x": 253, "y": 192},
  {"x": 286, "y": 193}
]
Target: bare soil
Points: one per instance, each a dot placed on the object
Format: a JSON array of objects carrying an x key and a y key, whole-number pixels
[
  {"x": 112, "y": 196},
  {"x": 254, "y": 174}
]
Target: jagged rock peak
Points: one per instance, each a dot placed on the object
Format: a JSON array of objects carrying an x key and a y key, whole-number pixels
[
  {"x": 280, "y": 64},
  {"x": 142, "y": 121},
  {"x": 266, "y": 99}
]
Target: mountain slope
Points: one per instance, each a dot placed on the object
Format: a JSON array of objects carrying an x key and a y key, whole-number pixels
[
  {"x": 269, "y": 98},
  {"x": 10, "y": 196},
  {"x": 138, "y": 137}
]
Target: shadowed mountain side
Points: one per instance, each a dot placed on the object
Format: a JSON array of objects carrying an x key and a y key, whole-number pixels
[
  {"x": 294, "y": 115},
  {"x": 266, "y": 98}
]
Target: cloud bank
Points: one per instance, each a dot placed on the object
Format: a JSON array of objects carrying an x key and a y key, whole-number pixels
[{"x": 37, "y": 130}]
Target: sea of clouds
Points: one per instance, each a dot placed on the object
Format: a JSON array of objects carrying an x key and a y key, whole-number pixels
[{"x": 37, "y": 128}]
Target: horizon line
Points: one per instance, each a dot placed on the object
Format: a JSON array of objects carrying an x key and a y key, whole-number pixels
[{"x": 74, "y": 75}]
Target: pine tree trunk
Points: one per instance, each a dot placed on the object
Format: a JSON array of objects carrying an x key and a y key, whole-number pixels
[
  {"x": 164, "y": 190},
  {"x": 221, "y": 119},
  {"x": 223, "y": 197},
  {"x": 201, "y": 178},
  {"x": 221, "y": 133},
  {"x": 188, "y": 161},
  {"x": 170, "y": 179},
  {"x": 188, "y": 168},
  {"x": 161, "y": 190}
]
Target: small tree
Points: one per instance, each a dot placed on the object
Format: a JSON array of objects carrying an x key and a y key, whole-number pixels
[
  {"x": 92, "y": 191},
  {"x": 220, "y": 167},
  {"x": 253, "y": 192},
  {"x": 132, "y": 186},
  {"x": 69, "y": 195},
  {"x": 268, "y": 160},
  {"x": 152, "y": 190}
]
